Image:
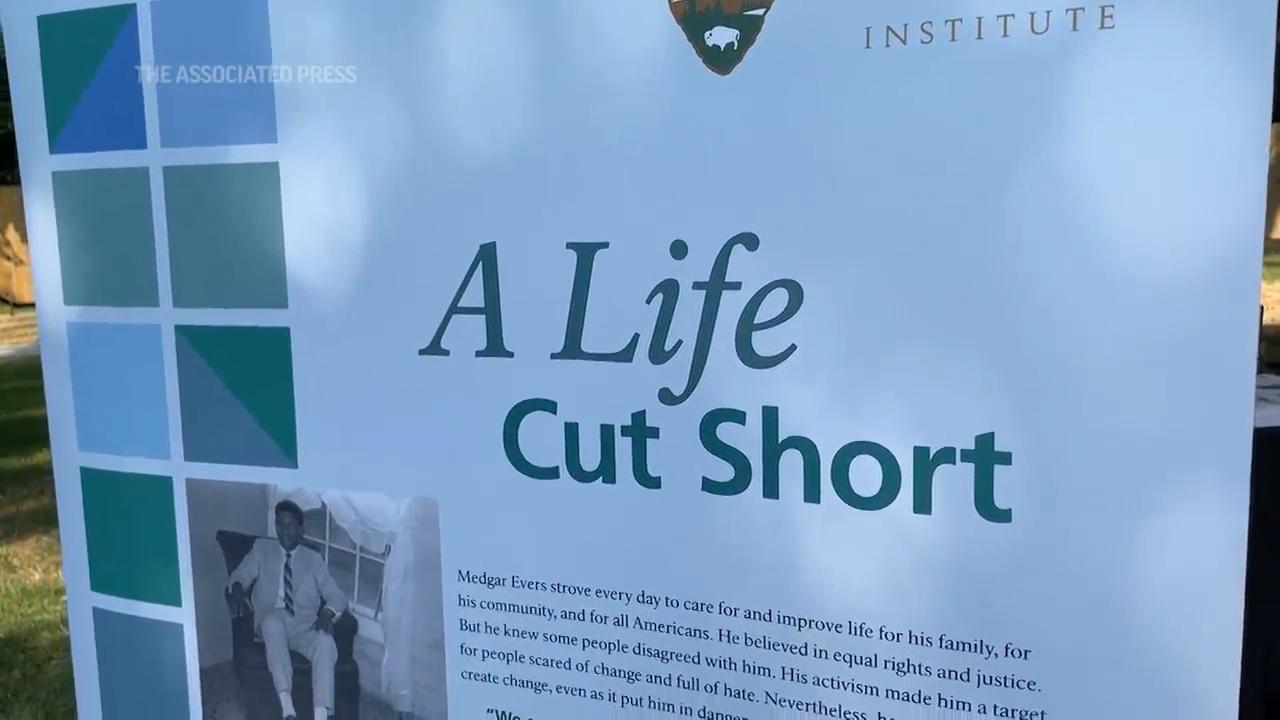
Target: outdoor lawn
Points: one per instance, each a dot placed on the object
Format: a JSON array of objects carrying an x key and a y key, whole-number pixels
[
  {"x": 1271, "y": 267},
  {"x": 35, "y": 659}
]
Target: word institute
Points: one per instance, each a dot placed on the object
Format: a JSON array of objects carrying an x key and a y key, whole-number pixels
[{"x": 995, "y": 26}]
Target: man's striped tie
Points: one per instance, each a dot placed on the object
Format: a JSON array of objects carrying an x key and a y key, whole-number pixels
[{"x": 288, "y": 583}]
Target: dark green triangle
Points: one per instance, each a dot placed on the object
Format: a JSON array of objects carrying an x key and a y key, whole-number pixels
[
  {"x": 256, "y": 365},
  {"x": 72, "y": 48}
]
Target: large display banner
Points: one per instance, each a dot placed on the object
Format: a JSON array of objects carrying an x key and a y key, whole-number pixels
[{"x": 719, "y": 359}]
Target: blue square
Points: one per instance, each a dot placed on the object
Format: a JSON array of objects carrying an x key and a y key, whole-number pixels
[
  {"x": 118, "y": 389},
  {"x": 142, "y": 667},
  {"x": 214, "y": 84},
  {"x": 89, "y": 62}
]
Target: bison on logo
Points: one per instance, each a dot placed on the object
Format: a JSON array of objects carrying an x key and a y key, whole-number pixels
[{"x": 721, "y": 31}]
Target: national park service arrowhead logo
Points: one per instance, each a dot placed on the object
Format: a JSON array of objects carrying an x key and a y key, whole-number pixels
[{"x": 721, "y": 31}]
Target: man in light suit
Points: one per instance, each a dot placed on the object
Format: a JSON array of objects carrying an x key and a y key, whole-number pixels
[{"x": 295, "y": 602}]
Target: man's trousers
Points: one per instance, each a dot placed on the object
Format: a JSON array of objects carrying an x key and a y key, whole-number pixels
[{"x": 282, "y": 633}]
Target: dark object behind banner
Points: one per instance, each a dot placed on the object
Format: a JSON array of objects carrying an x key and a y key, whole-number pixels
[
  {"x": 250, "y": 657},
  {"x": 1260, "y": 676},
  {"x": 1275, "y": 97},
  {"x": 9, "y": 174}
]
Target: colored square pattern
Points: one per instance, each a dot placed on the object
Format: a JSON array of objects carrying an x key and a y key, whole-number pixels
[
  {"x": 118, "y": 389},
  {"x": 226, "y": 251},
  {"x": 131, "y": 536},
  {"x": 142, "y": 667},
  {"x": 106, "y": 241},
  {"x": 92, "y": 89},
  {"x": 236, "y": 388},
  {"x": 228, "y": 36},
  {"x": 226, "y": 236}
]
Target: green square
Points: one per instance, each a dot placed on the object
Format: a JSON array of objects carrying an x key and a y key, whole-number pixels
[
  {"x": 226, "y": 236},
  {"x": 89, "y": 63},
  {"x": 131, "y": 536},
  {"x": 106, "y": 241},
  {"x": 235, "y": 388}
]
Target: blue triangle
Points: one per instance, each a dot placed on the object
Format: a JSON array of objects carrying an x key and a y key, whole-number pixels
[{"x": 109, "y": 115}]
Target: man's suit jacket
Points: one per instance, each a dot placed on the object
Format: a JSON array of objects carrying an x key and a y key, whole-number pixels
[{"x": 313, "y": 586}]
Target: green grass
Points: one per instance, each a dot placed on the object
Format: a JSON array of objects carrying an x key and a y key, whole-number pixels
[
  {"x": 1271, "y": 267},
  {"x": 35, "y": 657}
]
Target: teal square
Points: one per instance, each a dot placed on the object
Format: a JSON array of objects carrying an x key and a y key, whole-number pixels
[
  {"x": 235, "y": 388},
  {"x": 142, "y": 667},
  {"x": 106, "y": 241},
  {"x": 89, "y": 63},
  {"x": 131, "y": 536},
  {"x": 226, "y": 236}
]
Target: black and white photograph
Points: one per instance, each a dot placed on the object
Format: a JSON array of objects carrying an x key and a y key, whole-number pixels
[{"x": 315, "y": 604}]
